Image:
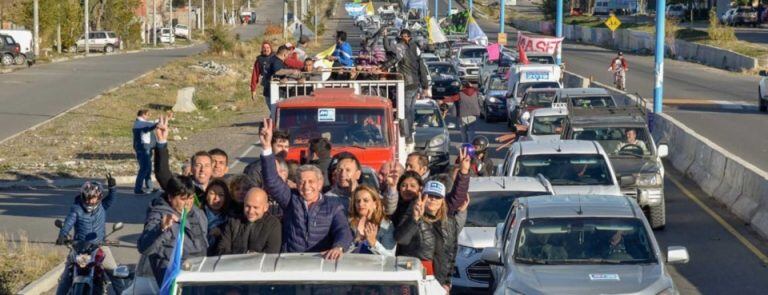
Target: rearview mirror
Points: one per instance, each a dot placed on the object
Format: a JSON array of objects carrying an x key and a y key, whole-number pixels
[
  {"x": 626, "y": 180},
  {"x": 675, "y": 254},
  {"x": 499, "y": 229},
  {"x": 117, "y": 226},
  {"x": 492, "y": 256},
  {"x": 764, "y": 73},
  {"x": 663, "y": 150},
  {"x": 58, "y": 223}
]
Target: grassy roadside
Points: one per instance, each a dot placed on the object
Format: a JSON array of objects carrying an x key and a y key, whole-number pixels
[{"x": 37, "y": 260}]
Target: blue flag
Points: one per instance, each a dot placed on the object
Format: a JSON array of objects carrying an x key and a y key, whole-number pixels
[{"x": 174, "y": 267}]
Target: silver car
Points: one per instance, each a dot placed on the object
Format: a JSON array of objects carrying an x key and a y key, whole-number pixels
[
  {"x": 491, "y": 199},
  {"x": 579, "y": 244}
]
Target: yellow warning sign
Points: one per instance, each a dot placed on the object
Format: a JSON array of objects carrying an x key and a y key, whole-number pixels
[
  {"x": 502, "y": 38},
  {"x": 613, "y": 23}
]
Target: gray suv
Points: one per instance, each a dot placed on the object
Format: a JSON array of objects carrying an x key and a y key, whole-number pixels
[
  {"x": 431, "y": 134},
  {"x": 623, "y": 133},
  {"x": 579, "y": 244}
]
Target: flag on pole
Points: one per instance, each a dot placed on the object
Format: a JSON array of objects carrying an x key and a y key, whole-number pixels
[
  {"x": 326, "y": 53},
  {"x": 436, "y": 34},
  {"x": 174, "y": 266},
  {"x": 494, "y": 51},
  {"x": 369, "y": 10},
  {"x": 475, "y": 33}
]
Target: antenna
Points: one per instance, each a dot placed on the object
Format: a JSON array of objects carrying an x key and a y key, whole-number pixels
[
  {"x": 580, "y": 211},
  {"x": 504, "y": 182}
]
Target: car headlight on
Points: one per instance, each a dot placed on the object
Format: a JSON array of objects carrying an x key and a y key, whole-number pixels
[
  {"x": 437, "y": 141},
  {"x": 468, "y": 251},
  {"x": 668, "y": 291},
  {"x": 648, "y": 179},
  {"x": 455, "y": 83},
  {"x": 493, "y": 100}
]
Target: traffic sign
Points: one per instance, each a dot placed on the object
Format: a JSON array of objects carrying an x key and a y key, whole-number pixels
[
  {"x": 613, "y": 23},
  {"x": 502, "y": 38}
]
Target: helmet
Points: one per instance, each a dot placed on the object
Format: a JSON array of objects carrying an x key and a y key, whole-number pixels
[
  {"x": 480, "y": 143},
  {"x": 89, "y": 190},
  {"x": 621, "y": 53},
  {"x": 470, "y": 149}
]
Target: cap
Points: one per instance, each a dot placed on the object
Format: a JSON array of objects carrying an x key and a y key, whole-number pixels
[
  {"x": 289, "y": 45},
  {"x": 434, "y": 188}
]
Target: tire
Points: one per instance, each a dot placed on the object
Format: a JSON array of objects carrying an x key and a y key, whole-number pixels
[
  {"x": 657, "y": 216},
  {"x": 20, "y": 59},
  {"x": 109, "y": 48},
  {"x": 7, "y": 59},
  {"x": 81, "y": 289},
  {"x": 762, "y": 105}
]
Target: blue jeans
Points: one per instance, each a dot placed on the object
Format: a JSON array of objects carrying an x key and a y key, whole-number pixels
[{"x": 144, "y": 177}]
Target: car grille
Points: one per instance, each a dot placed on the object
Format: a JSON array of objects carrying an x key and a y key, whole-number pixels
[
  {"x": 472, "y": 72},
  {"x": 480, "y": 272}
]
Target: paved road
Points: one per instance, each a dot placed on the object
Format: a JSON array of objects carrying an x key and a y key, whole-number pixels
[{"x": 33, "y": 95}]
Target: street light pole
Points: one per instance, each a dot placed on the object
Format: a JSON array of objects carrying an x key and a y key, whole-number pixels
[
  {"x": 189, "y": 20},
  {"x": 501, "y": 19},
  {"x": 202, "y": 16},
  {"x": 559, "y": 29},
  {"x": 87, "y": 29},
  {"x": 170, "y": 15},
  {"x": 436, "y": 4},
  {"x": 154, "y": 23},
  {"x": 36, "y": 12},
  {"x": 658, "y": 87},
  {"x": 214, "y": 13}
]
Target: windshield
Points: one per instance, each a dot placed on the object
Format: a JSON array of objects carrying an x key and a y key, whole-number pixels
[
  {"x": 488, "y": 209},
  {"x": 541, "y": 60},
  {"x": 428, "y": 118},
  {"x": 583, "y": 241},
  {"x": 300, "y": 288},
  {"x": 442, "y": 69},
  {"x": 473, "y": 53},
  {"x": 343, "y": 127},
  {"x": 497, "y": 84},
  {"x": 593, "y": 101},
  {"x": 547, "y": 125},
  {"x": 522, "y": 87},
  {"x": 541, "y": 99},
  {"x": 617, "y": 141},
  {"x": 565, "y": 169}
]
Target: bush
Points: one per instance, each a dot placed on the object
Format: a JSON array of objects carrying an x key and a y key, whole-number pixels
[
  {"x": 220, "y": 40},
  {"x": 548, "y": 8},
  {"x": 718, "y": 32},
  {"x": 37, "y": 261},
  {"x": 273, "y": 30}
]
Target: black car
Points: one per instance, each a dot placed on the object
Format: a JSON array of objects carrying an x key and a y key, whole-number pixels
[
  {"x": 9, "y": 50},
  {"x": 445, "y": 79}
]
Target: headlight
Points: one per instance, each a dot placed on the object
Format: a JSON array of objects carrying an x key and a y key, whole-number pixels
[
  {"x": 83, "y": 260},
  {"x": 668, "y": 291},
  {"x": 436, "y": 141},
  {"x": 648, "y": 179},
  {"x": 468, "y": 251},
  {"x": 493, "y": 100},
  {"x": 455, "y": 83}
]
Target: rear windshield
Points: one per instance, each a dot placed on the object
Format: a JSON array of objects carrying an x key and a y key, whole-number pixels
[
  {"x": 542, "y": 99},
  {"x": 541, "y": 60},
  {"x": 523, "y": 87},
  {"x": 547, "y": 125},
  {"x": 593, "y": 101},
  {"x": 565, "y": 169},
  {"x": 473, "y": 53},
  {"x": 111, "y": 35},
  {"x": 490, "y": 208},
  {"x": 300, "y": 288}
]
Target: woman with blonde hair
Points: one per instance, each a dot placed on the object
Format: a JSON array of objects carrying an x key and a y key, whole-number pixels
[{"x": 373, "y": 232}]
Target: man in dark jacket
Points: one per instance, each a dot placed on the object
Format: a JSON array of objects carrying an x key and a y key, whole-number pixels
[
  {"x": 162, "y": 226},
  {"x": 468, "y": 110},
  {"x": 277, "y": 68},
  {"x": 259, "y": 66},
  {"x": 407, "y": 58},
  {"x": 202, "y": 163},
  {"x": 312, "y": 223},
  {"x": 255, "y": 231},
  {"x": 143, "y": 142}
]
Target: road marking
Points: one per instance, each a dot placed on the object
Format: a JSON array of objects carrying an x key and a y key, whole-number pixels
[
  {"x": 760, "y": 255},
  {"x": 245, "y": 153}
]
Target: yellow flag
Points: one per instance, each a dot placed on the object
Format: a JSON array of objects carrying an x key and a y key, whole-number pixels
[
  {"x": 326, "y": 53},
  {"x": 369, "y": 8}
]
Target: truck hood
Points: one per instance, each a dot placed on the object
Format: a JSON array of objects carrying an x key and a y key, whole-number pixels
[
  {"x": 587, "y": 279},
  {"x": 477, "y": 237},
  {"x": 629, "y": 166},
  {"x": 587, "y": 190}
]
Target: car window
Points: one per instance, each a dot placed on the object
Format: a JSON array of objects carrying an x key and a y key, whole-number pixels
[
  {"x": 547, "y": 125},
  {"x": 343, "y": 127},
  {"x": 617, "y": 141},
  {"x": 497, "y": 84},
  {"x": 565, "y": 169},
  {"x": 592, "y": 101},
  {"x": 584, "y": 240},
  {"x": 299, "y": 288},
  {"x": 522, "y": 87},
  {"x": 92, "y": 35},
  {"x": 442, "y": 69},
  {"x": 428, "y": 118},
  {"x": 472, "y": 53},
  {"x": 112, "y": 35},
  {"x": 9, "y": 40},
  {"x": 488, "y": 209},
  {"x": 541, "y": 99},
  {"x": 508, "y": 228},
  {"x": 548, "y": 60},
  {"x": 101, "y": 35}
]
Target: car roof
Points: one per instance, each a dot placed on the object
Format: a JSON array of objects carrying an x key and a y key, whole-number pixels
[
  {"x": 553, "y": 206},
  {"x": 300, "y": 267},
  {"x": 471, "y": 46},
  {"x": 583, "y": 91},
  {"x": 335, "y": 97},
  {"x": 543, "y": 112},
  {"x": 506, "y": 183},
  {"x": 558, "y": 146}
]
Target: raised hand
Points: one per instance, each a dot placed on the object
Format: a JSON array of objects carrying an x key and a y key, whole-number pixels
[
  {"x": 265, "y": 135},
  {"x": 418, "y": 208},
  {"x": 161, "y": 131},
  {"x": 168, "y": 221},
  {"x": 111, "y": 182},
  {"x": 371, "y": 230},
  {"x": 465, "y": 161}
]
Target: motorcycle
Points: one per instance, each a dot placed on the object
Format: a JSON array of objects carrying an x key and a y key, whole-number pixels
[
  {"x": 620, "y": 79},
  {"x": 86, "y": 271}
]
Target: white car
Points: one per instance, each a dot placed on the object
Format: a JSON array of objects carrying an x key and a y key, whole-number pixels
[
  {"x": 181, "y": 31},
  {"x": 546, "y": 124},
  {"x": 571, "y": 166},
  {"x": 294, "y": 273},
  {"x": 165, "y": 35},
  {"x": 532, "y": 76},
  {"x": 106, "y": 41},
  {"x": 727, "y": 17},
  {"x": 429, "y": 57},
  {"x": 491, "y": 199},
  {"x": 24, "y": 39},
  {"x": 467, "y": 61},
  {"x": 762, "y": 100}
]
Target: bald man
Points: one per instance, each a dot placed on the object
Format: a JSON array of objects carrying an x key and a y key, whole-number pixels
[{"x": 255, "y": 231}]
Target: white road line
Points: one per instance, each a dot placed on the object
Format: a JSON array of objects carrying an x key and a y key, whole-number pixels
[{"x": 246, "y": 152}]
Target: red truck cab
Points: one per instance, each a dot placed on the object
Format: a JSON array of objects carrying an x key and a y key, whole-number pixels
[{"x": 360, "y": 124}]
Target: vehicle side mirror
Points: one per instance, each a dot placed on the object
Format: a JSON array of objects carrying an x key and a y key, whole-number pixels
[
  {"x": 117, "y": 226},
  {"x": 626, "y": 180},
  {"x": 402, "y": 127},
  {"x": 492, "y": 256},
  {"x": 499, "y": 229},
  {"x": 451, "y": 125},
  {"x": 675, "y": 254},
  {"x": 764, "y": 73},
  {"x": 58, "y": 223},
  {"x": 663, "y": 150}
]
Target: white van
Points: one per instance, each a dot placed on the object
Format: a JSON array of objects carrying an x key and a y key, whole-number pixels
[
  {"x": 24, "y": 39},
  {"x": 532, "y": 76}
]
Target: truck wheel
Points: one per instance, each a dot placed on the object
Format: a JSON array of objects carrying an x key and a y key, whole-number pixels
[
  {"x": 7, "y": 59},
  {"x": 20, "y": 59},
  {"x": 763, "y": 105},
  {"x": 109, "y": 48},
  {"x": 657, "y": 216}
]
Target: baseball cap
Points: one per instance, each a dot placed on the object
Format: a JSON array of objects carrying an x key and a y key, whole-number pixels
[{"x": 434, "y": 188}]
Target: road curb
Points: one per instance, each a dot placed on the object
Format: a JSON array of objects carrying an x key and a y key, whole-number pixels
[
  {"x": 45, "y": 283},
  {"x": 63, "y": 182}
]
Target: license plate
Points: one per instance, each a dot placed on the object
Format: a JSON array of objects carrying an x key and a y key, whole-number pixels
[{"x": 440, "y": 89}]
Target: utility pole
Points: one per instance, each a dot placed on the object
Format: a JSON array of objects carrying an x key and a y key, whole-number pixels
[
  {"x": 232, "y": 13},
  {"x": 87, "y": 28},
  {"x": 315, "y": 20},
  {"x": 189, "y": 20},
  {"x": 285, "y": 19},
  {"x": 214, "y": 13},
  {"x": 559, "y": 29},
  {"x": 249, "y": 5},
  {"x": 501, "y": 20},
  {"x": 36, "y": 12},
  {"x": 470, "y": 7},
  {"x": 170, "y": 15},
  {"x": 202, "y": 3},
  {"x": 658, "y": 87},
  {"x": 436, "y": 4},
  {"x": 154, "y": 23}
]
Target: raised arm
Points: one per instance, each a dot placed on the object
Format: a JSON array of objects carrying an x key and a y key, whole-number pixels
[
  {"x": 459, "y": 192},
  {"x": 162, "y": 168},
  {"x": 273, "y": 184}
]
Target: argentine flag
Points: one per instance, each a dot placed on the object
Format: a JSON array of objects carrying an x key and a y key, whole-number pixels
[
  {"x": 475, "y": 33},
  {"x": 174, "y": 267}
]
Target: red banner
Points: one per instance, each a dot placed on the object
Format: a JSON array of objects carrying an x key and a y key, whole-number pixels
[{"x": 544, "y": 44}]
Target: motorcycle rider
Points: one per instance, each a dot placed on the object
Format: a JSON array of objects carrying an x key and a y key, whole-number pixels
[
  {"x": 482, "y": 163},
  {"x": 88, "y": 217},
  {"x": 619, "y": 66}
]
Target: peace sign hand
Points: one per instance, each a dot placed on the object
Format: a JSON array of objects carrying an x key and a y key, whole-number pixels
[{"x": 265, "y": 135}]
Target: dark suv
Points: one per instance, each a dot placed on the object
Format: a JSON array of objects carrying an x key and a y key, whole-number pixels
[
  {"x": 745, "y": 16},
  {"x": 9, "y": 50},
  {"x": 623, "y": 133}
]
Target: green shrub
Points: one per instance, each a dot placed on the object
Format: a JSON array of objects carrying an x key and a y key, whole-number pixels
[
  {"x": 548, "y": 8},
  {"x": 718, "y": 32},
  {"x": 220, "y": 40}
]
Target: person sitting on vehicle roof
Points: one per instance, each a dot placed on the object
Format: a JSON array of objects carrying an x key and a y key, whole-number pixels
[
  {"x": 342, "y": 55},
  {"x": 631, "y": 141},
  {"x": 254, "y": 231},
  {"x": 373, "y": 232},
  {"x": 312, "y": 223}
]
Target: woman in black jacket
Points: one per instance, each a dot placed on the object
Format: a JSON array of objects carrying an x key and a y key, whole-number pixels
[{"x": 430, "y": 228}]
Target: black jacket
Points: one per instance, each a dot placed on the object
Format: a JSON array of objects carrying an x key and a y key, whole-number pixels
[
  {"x": 163, "y": 172},
  {"x": 241, "y": 236},
  {"x": 409, "y": 63}
]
